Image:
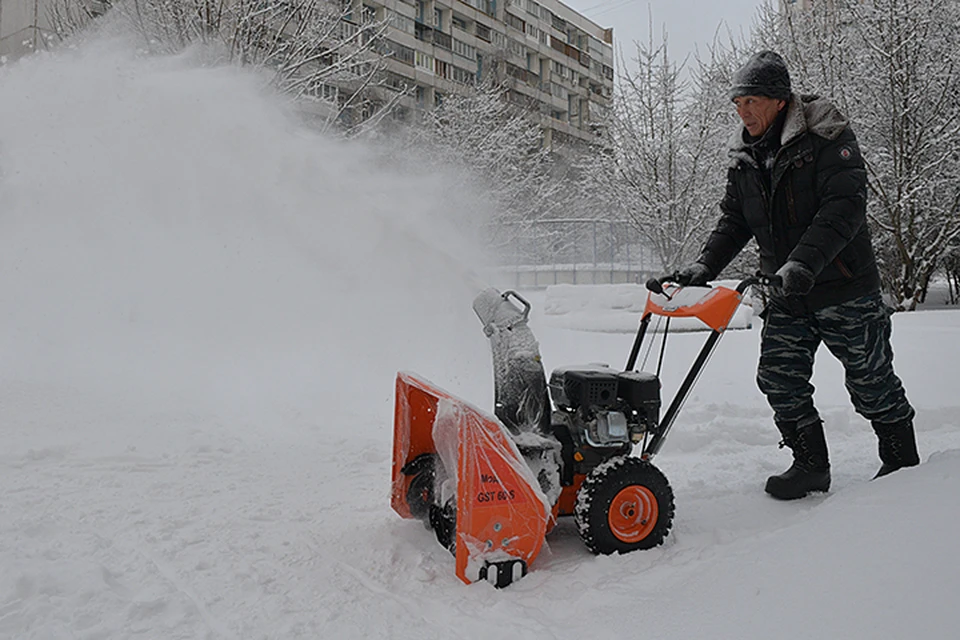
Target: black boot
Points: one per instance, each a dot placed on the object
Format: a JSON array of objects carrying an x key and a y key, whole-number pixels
[
  {"x": 810, "y": 470},
  {"x": 898, "y": 446}
]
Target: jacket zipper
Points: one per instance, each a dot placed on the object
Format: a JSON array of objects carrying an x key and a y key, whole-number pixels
[
  {"x": 843, "y": 268},
  {"x": 791, "y": 204}
]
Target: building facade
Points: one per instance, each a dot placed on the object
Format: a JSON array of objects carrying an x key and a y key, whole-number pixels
[{"x": 553, "y": 61}]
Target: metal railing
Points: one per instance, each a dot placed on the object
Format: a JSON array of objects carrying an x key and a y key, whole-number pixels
[{"x": 570, "y": 251}]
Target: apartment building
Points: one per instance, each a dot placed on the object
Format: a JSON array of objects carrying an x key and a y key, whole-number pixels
[{"x": 554, "y": 61}]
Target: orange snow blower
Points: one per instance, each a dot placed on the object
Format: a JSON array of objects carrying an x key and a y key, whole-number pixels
[{"x": 492, "y": 486}]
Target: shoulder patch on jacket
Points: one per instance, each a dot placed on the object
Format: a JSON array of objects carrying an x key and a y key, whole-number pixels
[{"x": 845, "y": 152}]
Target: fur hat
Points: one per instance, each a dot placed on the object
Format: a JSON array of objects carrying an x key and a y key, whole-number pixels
[{"x": 764, "y": 74}]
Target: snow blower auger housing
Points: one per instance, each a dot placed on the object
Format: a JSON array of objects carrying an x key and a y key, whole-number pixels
[{"x": 492, "y": 486}]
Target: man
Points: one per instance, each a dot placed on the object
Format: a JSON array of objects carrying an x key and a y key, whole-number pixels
[{"x": 797, "y": 184}]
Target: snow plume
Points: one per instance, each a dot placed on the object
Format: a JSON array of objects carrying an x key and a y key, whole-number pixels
[{"x": 170, "y": 229}]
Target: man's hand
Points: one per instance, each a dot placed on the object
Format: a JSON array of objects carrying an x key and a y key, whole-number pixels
[
  {"x": 797, "y": 277},
  {"x": 694, "y": 275}
]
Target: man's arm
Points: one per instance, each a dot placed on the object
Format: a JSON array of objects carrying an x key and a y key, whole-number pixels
[
  {"x": 842, "y": 192},
  {"x": 731, "y": 233}
]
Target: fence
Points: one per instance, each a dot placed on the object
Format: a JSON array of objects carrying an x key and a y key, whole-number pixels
[{"x": 571, "y": 251}]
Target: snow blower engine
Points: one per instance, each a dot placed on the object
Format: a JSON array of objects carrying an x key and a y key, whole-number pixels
[{"x": 492, "y": 487}]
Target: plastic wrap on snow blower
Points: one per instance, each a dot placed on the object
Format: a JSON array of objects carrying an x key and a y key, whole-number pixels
[
  {"x": 501, "y": 513},
  {"x": 520, "y": 386}
]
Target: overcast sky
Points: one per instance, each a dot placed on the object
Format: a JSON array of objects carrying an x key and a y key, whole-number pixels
[{"x": 688, "y": 23}]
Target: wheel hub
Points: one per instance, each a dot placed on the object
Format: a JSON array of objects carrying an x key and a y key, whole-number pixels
[{"x": 633, "y": 513}]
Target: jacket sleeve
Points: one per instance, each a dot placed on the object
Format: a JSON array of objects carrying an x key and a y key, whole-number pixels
[
  {"x": 731, "y": 232},
  {"x": 841, "y": 180}
]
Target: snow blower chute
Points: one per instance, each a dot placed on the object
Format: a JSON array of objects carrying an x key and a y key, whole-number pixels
[{"x": 492, "y": 486}]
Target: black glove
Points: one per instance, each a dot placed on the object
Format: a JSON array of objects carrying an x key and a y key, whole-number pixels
[
  {"x": 694, "y": 275},
  {"x": 797, "y": 277}
]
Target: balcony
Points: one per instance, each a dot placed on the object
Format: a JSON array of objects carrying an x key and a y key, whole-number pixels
[{"x": 442, "y": 40}]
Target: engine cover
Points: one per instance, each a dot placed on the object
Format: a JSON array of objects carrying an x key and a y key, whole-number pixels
[
  {"x": 598, "y": 387},
  {"x": 640, "y": 390},
  {"x": 592, "y": 386}
]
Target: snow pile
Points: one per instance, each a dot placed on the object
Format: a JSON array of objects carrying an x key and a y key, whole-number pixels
[{"x": 617, "y": 308}]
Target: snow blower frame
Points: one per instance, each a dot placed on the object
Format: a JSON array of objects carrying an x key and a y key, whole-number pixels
[{"x": 492, "y": 486}]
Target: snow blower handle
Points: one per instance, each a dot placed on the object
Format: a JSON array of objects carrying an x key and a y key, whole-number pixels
[
  {"x": 525, "y": 313},
  {"x": 656, "y": 284},
  {"x": 768, "y": 280}
]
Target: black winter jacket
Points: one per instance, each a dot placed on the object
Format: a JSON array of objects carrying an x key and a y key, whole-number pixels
[{"x": 814, "y": 210}]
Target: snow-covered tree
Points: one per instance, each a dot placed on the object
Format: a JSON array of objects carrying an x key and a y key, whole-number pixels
[
  {"x": 317, "y": 51},
  {"x": 494, "y": 147},
  {"x": 910, "y": 123},
  {"x": 951, "y": 269},
  {"x": 664, "y": 164},
  {"x": 894, "y": 67}
]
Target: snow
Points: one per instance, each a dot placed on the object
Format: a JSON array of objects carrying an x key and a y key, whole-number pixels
[{"x": 204, "y": 310}]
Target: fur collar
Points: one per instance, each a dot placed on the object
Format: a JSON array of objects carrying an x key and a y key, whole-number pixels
[{"x": 805, "y": 113}]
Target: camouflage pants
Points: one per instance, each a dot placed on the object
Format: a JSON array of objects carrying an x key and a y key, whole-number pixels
[{"x": 858, "y": 334}]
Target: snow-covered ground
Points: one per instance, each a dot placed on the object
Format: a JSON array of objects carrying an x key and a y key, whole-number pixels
[{"x": 203, "y": 310}]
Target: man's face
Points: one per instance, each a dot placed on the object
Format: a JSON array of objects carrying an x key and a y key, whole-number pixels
[{"x": 758, "y": 112}]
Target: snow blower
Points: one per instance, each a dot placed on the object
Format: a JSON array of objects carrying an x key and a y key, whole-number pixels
[{"x": 492, "y": 486}]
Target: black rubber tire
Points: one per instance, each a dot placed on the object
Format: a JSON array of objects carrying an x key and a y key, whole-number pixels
[
  {"x": 603, "y": 485},
  {"x": 420, "y": 495},
  {"x": 443, "y": 521},
  {"x": 420, "y": 492}
]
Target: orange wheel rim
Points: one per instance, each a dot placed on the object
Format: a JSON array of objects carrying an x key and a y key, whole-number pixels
[{"x": 633, "y": 514}]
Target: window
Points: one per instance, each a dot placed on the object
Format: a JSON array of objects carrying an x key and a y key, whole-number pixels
[
  {"x": 463, "y": 76},
  {"x": 442, "y": 40},
  {"x": 514, "y": 21},
  {"x": 464, "y": 50},
  {"x": 323, "y": 91},
  {"x": 423, "y": 61},
  {"x": 401, "y": 22},
  {"x": 459, "y": 23},
  {"x": 483, "y": 32},
  {"x": 486, "y": 6},
  {"x": 399, "y": 52},
  {"x": 395, "y": 81}
]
